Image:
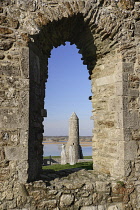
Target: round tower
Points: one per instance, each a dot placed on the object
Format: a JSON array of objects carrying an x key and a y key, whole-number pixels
[
  {"x": 74, "y": 129},
  {"x": 73, "y": 138}
]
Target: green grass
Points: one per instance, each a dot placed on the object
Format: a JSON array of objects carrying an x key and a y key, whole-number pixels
[
  {"x": 48, "y": 157},
  {"x": 58, "y": 167},
  {"x": 87, "y": 157}
]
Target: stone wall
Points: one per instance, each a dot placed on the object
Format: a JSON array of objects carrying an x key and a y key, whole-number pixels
[
  {"x": 74, "y": 190},
  {"x": 107, "y": 35},
  {"x": 108, "y": 114}
]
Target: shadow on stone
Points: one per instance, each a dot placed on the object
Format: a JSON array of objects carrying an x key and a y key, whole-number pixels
[{"x": 50, "y": 174}]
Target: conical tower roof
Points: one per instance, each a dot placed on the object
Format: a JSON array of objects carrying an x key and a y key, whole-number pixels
[{"x": 74, "y": 116}]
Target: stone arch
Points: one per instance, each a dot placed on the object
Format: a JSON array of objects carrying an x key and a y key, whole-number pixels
[
  {"x": 100, "y": 21},
  {"x": 55, "y": 33},
  {"x": 94, "y": 31},
  {"x": 34, "y": 25}
]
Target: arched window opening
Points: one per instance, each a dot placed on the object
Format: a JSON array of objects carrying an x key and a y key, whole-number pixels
[
  {"x": 67, "y": 91},
  {"x": 75, "y": 30}
]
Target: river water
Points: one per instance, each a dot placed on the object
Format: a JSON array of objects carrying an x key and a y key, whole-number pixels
[{"x": 55, "y": 150}]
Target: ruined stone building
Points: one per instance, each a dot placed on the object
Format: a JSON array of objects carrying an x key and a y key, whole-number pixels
[{"x": 107, "y": 34}]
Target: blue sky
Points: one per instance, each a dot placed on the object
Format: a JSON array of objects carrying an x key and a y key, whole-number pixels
[{"x": 67, "y": 91}]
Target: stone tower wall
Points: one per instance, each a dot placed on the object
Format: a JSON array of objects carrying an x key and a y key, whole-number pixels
[
  {"x": 107, "y": 35},
  {"x": 73, "y": 137},
  {"x": 74, "y": 129}
]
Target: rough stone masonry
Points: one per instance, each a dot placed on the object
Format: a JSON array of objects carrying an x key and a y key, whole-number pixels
[
  {"x": 107, "y": 34},
  {"x": 73, "y": 148}
]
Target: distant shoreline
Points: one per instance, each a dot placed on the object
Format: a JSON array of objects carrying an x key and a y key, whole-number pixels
[
  {"x": 84, "y": 144},
  {"x": 85, "y": 141},
  {"x": 65, "y": 138}
]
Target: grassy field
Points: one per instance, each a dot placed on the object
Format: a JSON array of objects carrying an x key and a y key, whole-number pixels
[
  {"x": 48, "y": 157},
  {"x": 58, "y": 167}
]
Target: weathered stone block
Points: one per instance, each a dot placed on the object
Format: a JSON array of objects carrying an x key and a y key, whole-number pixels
[
  {"x": 125, "y": 4},
  {"x": 39, "y": 184},
  {"x": 31, "y": 27},
  {"x": 105, "y": 80},
  {"x": 138, "y": 201},
  {"x": 6, "y": 45},
  {"x": 13, "y": 82},
  {"x": 102, "y": 207},
  {"x": 9, "y": 194},
  {"x": 136, "y": 135},
  {"x": 9, "y": 97},
  {"x": 119, "y": 119},
  {"x": 127, "y": 134},
  {"x": 117, "y": 206},
  {"x": 128, "y": 67},
  {"x": 16, "y": 153},
  {"x": 2, "y": 154},
  {"x": 22, "y": 167},
  {"x": 5, "y": 30},
  {"x": 41, "y": 19},
  {"x": 50, "y": 204},
  {"x": 102, "y": 186},
  {"x": 84, "y": 201},
  {"x": 119, "y": 77},
  {"x": 10, "y": 137},
  {"x": 24, "y": 113},
  {"x": 118, "y": 198},
  {"x": 8, "y": 22},
  {"x": 130, "y": 150},
  {"x": 24, "y": 137},
  {"x": 9, "y": 70},
  {"x": 130, "y": 119},
  {"x": 89, "y": 186},
  {"x": 133, "y": 92},
  {"x": 4, "y": 173},
  {"x": 66, "y": 200},
  {"x": 89, "y": 208},
  {"x": 137, "y": 28},
  {"x": 137, "y": 165},
  {"x": 121, "y": 89},
  {"x": 9, "y": 118},
  {"x": 11, "y": 204},
  {"x": 25, "y": 62},
  {"x": 75, "y": 185},
  {"x": 118, "y": 164},
  {"x": 25, "y": 5}
]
